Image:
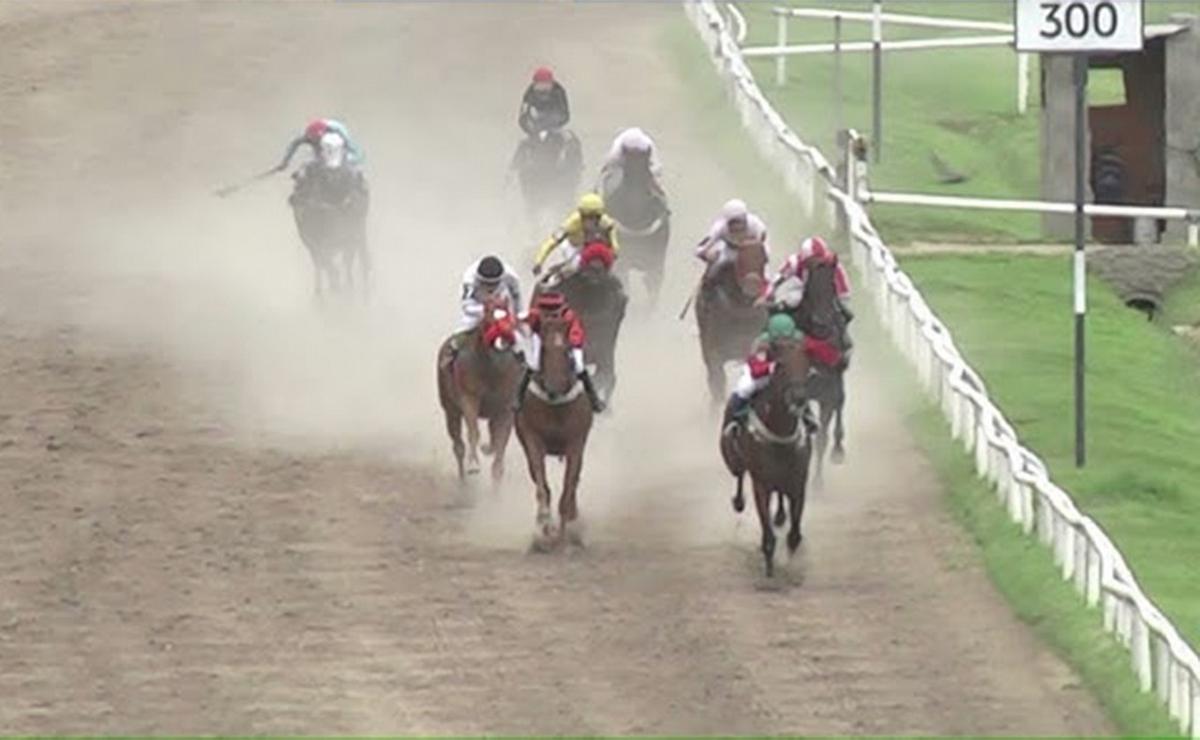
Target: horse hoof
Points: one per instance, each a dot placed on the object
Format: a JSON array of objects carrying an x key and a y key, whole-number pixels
[
  {"x": 739, "y": 504},
  {"x": 781, "y": 517},
  {"x": 486, "y": 449},
  {"x": 838, "y": 456},
  {"x": 573, "y": 533},
  {"x": 793, "y": 541}
]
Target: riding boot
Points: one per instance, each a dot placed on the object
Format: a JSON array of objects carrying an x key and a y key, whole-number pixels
[
  {"x": 522, "y": 388},
  {"x": 846, "y": 312},
  {"x": 736, "y": 412},
  {"x": 593, "y": 396}
]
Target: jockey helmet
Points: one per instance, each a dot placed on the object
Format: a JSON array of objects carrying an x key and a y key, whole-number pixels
[
  {"x": 490, "y": 270},
  {"x": 734, "y": 210},
  {"x": 635, "y": 140},
  {"x": 315, "y": 130},
  {"x": 597, "y": 252},
  {"x": 781, "y": 326},
  {"x": 814, "y": 246},
  {"x": 333, "y": 149},
  {"x": 550, "y": 302},
  {"x": 543, "y": 75},
  {"x": 591, "y": 204}
]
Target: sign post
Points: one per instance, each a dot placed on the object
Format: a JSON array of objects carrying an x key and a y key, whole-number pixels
[{"x": 1082, "y": 28}]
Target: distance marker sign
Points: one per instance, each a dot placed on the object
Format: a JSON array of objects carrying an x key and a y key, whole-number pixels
[{"x": 1079, "y": 25}]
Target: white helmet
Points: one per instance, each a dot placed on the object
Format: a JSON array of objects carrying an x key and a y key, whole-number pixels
[
  {"x": 635, "y": 140},
  {"x": 333, "y": 149},
  {"x": 734, "y": 210}
]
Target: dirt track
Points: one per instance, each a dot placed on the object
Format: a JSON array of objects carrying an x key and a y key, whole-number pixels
[{"x": 224, "y": 512}]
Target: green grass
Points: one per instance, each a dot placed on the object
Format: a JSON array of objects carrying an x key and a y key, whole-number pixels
[
  {"x": 1182, "y": 302},
  {"x": 1011, "y": 318},
  {"x": 959, "y": 103},
  {"x": 1020, "y": 568}
]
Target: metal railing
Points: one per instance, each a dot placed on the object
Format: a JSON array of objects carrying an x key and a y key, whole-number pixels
[{"x": 1162, "y": 661}]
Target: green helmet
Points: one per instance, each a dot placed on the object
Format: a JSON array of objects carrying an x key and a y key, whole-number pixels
[{"x": 781, "y": 326}]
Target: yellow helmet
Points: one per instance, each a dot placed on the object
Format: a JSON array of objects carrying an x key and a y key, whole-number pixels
[{"x": 591, "y": 204}]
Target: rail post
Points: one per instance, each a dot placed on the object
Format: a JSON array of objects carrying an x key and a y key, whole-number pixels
[{"x": 781, "y": 38}]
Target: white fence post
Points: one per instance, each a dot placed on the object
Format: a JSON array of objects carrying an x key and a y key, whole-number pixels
[
  {"x": 1022, "y": 83},
  {"x": 781, "y": 37}
]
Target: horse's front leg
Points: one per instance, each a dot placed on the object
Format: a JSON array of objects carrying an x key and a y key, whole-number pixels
[
  {"x": 568, "y": 508},
  {"x": 839, "y": 433},
  {"x": 762, "y": 501},
  {"x": 470, "y": 408},
  {"x": 535, "y": 457},
  {"x": 499, "y": 431}
]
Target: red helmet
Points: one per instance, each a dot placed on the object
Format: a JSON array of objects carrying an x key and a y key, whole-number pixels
[
  {"x": 315, "y": 130},
  {"x": 597, "y": 252},
  {"x": 543, "y": 74},
  {"x": 814, "y": 246},
  {"x": 550, "y": 302}
]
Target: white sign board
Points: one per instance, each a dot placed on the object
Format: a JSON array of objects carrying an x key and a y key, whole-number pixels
[{"x": 1079, "y": 25}]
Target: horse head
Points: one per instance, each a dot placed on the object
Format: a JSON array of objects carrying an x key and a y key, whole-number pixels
[
  {"x": 817, "y": 312},
  {"x": 498, "y": 329},
  {"x": 557, "y": 375},
  {"x": 792, "y": 366},
  {"x": 749, "y": 268}
]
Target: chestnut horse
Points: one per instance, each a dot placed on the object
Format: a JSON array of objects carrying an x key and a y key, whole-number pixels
[
  {"x": 555, "y": 419},
  {"x": 774, "y": 446},
  {"x": 727, "y": 314},
  {"x": 480, "y": 382}
]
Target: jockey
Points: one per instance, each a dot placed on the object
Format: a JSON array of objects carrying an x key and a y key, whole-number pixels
[
  {"x": 787, "y": 289},
  {"x": 587, "y": 224},
  {"x": 312, "y": 136},
  {"x": 555, "y": 304},
  {"x": 544, "y": 105},
  {"x": 633, "y": 147},
  {"x": 756, "y": 373},
  {"x": 486, "y": 279},
  {"x": 735, "y": 226}
]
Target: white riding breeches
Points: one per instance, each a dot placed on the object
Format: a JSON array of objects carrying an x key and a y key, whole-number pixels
[{"x": 747, "y": 385}]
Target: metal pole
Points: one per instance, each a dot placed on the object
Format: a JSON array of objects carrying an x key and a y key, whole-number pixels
[
  {"x": 837, "y": 76},
  {"x": 877, "y": 80},
  {"x": 781, "y": 59},
  {"x": 1081, "y": 79}
]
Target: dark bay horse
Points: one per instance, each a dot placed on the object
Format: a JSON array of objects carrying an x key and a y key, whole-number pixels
[
  {"x": 480, "y": 382},
  {"x": 774, "y": 446},
  {"x": 643, "y": 222},
  {"x": 819, "y": 317},
  {"x": 555, "y": 420},
  {"x": 599, "y": 299},
  {"x": 728, "y": 314},
  {"x": 330, "y": 205}
]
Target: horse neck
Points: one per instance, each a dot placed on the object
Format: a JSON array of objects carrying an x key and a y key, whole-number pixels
[{"x": 772, "y": 407}]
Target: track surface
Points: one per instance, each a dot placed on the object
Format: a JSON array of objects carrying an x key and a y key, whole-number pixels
[{"x": 226, "y": 512}]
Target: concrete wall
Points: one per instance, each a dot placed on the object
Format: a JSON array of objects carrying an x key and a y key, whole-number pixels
[
  {"x": 1183, "y": 120},
  {"x": 1058, "y": 143}
]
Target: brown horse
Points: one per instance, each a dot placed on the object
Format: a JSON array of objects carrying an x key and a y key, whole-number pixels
[
  {"x": 727, "y": 314},
  {"x": 480, "y": 382},
  {"x": 774, "y": 447},
  {"x": 819, "y": 316},
  {"x": 555, "y": 419}
]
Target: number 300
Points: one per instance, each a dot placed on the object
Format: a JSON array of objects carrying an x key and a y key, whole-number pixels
[{"x": 1078, "y": 19}]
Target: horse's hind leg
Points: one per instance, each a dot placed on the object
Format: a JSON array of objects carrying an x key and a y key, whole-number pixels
[
  {"x": 827, "y": 412},
  {"x": 499, "y": 430},
  {"x": 470, "y": 408},
  {"x": 796, "y": 500},
  {"x": 716, "y": 381},
  {"x": 762, "y": 501},
  {"x": 781, "y": 511},
  {"x": 839, "y": 433}
]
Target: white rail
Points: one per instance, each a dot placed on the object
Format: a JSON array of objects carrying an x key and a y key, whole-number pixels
[
  {"x": 857, "y": 46},
  {"x": 923, "y": 21},
  {"x": 1162, "y": 660}
]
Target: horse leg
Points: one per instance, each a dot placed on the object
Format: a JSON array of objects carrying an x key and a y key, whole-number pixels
[
  {"x": 470, "y": 407},
  {"x": 454, "y": 429},
  {"x": 739, "y": 498},
  {"x": 716, "y": 380},
  {"x": 762, "y": 501},
  {"x": 839, "y": 433},
  {"x": 499, "y": 430},
  {"x": 568, "y": 509},
  {"x": 781, "y": 511},
  {"x": 822, "y": 441},
  {"x": 535, "y": 454},
  {"x": 796, "y": 498}
]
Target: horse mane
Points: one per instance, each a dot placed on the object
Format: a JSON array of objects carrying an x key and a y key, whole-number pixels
[{"x": 818, "y": 305}]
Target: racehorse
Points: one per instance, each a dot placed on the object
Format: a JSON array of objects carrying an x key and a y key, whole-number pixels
[
  {"x": 555, "y": 419},
  {"x": 599, "y": 299},
  {"x": 643, "y": 223},
  {"x": 774, "y": 447},
  {"x": 819, "y": 317},
  {"x": 728, "y": 314},
  {"x": 480, "y": 382},
  {"x": 548, "y": 167},
  {"x": 330, "y": 205}
]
